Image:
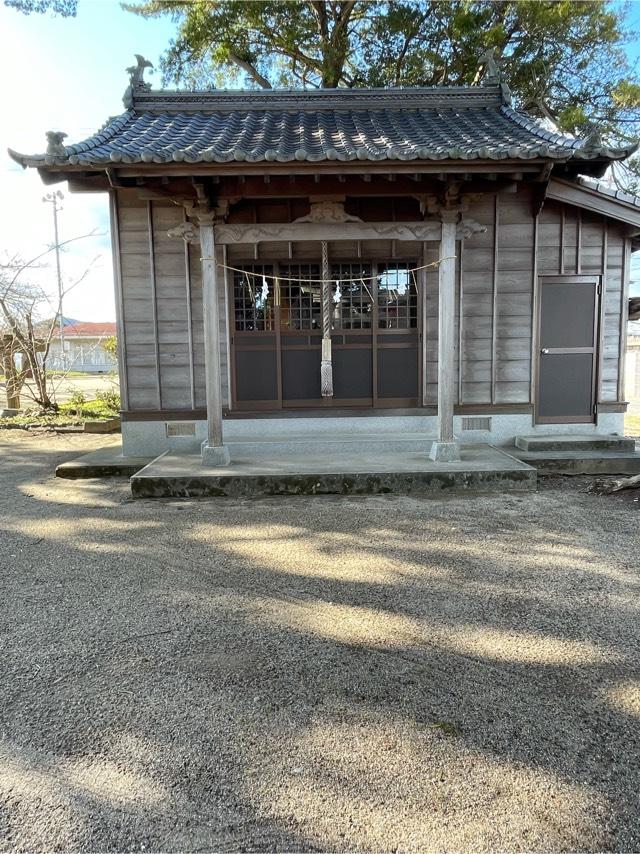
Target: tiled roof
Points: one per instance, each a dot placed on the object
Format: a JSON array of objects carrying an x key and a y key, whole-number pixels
[
  {"x": 456, "y": 123},
  {"x": 611, "y": 192},
  {"x": 88, "y": 330}
]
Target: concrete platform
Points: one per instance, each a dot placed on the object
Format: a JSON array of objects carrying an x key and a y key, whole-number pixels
[
  {"x": 580, "y": 462},
  {"x": 105, "y": 462},
  {"x": 310, "y": 471},
  {"x": 578, "y": 454},
  {"x": 576, "y": 442},
  {"x": 298, "y": 446}
]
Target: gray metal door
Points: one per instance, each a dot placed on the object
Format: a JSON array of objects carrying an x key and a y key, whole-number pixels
[{"x": 568, "y": 357}]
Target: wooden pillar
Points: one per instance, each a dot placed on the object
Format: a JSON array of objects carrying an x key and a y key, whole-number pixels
[
  {"x": 214, "y": 452},
  {"x": 445, "y": 449}
]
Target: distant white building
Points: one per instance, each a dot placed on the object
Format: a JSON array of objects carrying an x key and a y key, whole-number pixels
[
  {"x": 632, "y": 366},
  {"x": 83, "y": 348}
]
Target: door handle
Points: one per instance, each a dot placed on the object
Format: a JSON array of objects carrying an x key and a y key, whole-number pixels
[{"x": 544, "y": 351}]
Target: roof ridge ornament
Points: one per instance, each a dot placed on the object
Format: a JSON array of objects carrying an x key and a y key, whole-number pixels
[
  {"x": 490, "y": 73},
  {"x": 55, "y": 146},
  {"x": 136, "y": 80},
  {"x": 593, "y": 141}
]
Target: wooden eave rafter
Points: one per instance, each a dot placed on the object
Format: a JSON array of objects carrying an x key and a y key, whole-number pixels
[
  {"x": 487, "y": 177},
  {"x": 590, "y": 199},
  {"x": 64, "y": 171}
]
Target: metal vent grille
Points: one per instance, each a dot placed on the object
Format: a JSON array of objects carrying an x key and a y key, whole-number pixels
[
  {"x": 180, "y": 428},
  {"x": 476, "y": 424}
]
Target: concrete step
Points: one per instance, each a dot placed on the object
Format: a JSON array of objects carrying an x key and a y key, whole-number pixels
[
  {"x": 580, "y": 462},
  {"x": 577, "y": 442},
  {"x": 241, "y": 429},
  {"x": 105, "y": 462},
  {"x": 338, "y": 443}
]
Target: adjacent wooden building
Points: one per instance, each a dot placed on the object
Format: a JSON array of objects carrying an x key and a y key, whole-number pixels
[{"x": 409, "y": 253}]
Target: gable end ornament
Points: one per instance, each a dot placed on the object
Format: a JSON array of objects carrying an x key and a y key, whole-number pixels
[
  {"x": 328, "y": 211},
  {"x": 206, "y": 215},
  {"x": 468, "y": 227},
  {"x": 490, "y": 74},
  {"x": 188, "y": 231},
  {"x": 137, "y": 84},
  {"x": 55, "y": 145}
]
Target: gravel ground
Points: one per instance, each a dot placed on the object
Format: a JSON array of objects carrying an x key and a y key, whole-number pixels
[{"x": 299, "y": 674}]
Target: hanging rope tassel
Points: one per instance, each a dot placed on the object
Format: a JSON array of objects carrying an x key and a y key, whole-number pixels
[
  {"x": 326, "y": 369},
  {"x": 326, "y": 365}
]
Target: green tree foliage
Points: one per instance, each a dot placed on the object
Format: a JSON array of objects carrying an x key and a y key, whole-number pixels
[
  {"x": 563, "y": 59},
  {"x": 65, "y": 8},
  {"x": 110, "y": 345}
]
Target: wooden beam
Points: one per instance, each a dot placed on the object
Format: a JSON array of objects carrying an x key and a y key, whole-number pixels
[
  {"x": 256, "y": 233},
  {"x": 188, "y": 297},
  {"x": 117, "y": 281},
  {"x": 214, "y": 451},
  {"x": 423, "y": 283},
  {"x": 445, "y": 449},
  {"x": 494, "y": 297},
  {"x": 624, "y": 317},
  {"x": 460, "y": 317},
  {"x": 601, "y": 305},
  {"x": 154, "y": 300},
  {"x": 334, "y": 167},
  {"x": 535, "y": 308},
  {"x": 222, "y": 254}
]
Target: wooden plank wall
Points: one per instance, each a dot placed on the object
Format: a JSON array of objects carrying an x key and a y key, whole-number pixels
[
  {"x": 496, "y": 274},
  {"x": 572, "y": 242},
  {"x": 138, "y": 304},
  {"x": 162, "y": 309},
  {"x": 497, "y": 292}
]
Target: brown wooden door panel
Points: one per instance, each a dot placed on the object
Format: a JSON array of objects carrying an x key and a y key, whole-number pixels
[
  {"x": 568, "y": 351},
  {"x": 301, "y": 374}
]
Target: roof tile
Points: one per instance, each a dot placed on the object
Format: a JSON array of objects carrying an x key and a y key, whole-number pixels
[{"x": 404, "y": 124}]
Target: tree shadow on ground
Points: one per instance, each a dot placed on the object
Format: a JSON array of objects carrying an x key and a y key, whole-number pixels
[{"x": 298, "y": 674}]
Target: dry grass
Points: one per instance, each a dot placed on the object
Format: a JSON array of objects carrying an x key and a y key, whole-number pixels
[{"x": 632, "y": 425}]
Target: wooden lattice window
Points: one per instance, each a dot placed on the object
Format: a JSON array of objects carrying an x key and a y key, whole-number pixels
[
  {"x": 352, "y": 297},
  {"x": 300, "y": 298},
  {"x": 397, "y": 297},
  {"x": 254, "y": 299}
]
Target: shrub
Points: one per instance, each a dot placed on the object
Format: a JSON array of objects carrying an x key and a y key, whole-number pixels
[
  {"x": 76, "y": 402},
  {"x": 111, "y": 400}
]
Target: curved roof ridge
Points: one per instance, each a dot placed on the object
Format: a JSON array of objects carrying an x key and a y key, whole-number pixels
[
  {"x": 412, "y": 124},
  {"x": 531, "y": 124},
  {"x": 107, "y": 132},
  {"x": 583, "y": 148}
]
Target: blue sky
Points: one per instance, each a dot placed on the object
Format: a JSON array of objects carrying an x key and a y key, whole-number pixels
[
  {"x": 69, "y": 74},
  {"x": 66, "y": 74}
]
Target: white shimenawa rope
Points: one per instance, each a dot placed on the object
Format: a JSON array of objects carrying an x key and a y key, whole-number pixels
[
  {"x": 273, "y": 277},
  {"x": 326, "y": 363}
]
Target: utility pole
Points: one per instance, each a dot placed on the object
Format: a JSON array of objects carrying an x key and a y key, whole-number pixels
[{"x": 52, "y": 198}]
